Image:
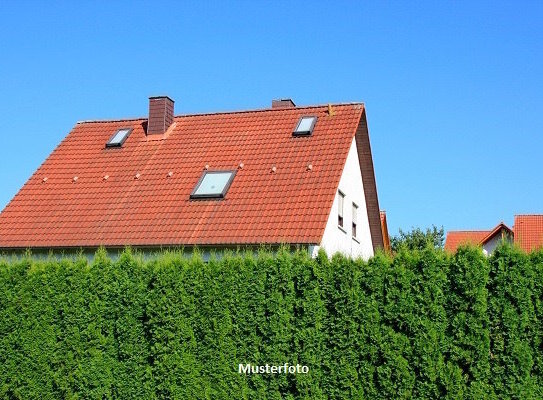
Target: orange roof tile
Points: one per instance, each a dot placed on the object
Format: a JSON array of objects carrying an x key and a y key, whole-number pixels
[
  {"x": 455, "y": 239},
  {"x": 53, "y": 209},
  {"x": 528, "y": 231}
]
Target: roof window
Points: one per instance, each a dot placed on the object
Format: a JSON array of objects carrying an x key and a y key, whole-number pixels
[
  {"x": 305, "y": 126},
  {"x": 213, "y": 185},
  {"x": 118, "y": 137}
]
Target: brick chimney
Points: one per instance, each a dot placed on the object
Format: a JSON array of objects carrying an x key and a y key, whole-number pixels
[
  {"x": 160, "y": 115},
  {"x": 283, "y": 103}
]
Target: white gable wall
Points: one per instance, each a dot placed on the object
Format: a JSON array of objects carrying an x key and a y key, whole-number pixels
[
  {"x": 490, "y": 246},
  {"x": 340, "y": 240}
]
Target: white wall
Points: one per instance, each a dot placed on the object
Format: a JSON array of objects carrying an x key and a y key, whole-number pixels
[
  {"x": 488, "y": 247},
  {"x": 337, "y": 240}
]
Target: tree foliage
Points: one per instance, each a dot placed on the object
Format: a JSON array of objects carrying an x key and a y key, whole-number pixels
[{"x": 417, "y": 239}]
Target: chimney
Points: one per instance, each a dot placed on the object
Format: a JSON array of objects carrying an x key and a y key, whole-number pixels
[
  {"x": 283, "y": 103},
  {"x": 160, "y": 115}
]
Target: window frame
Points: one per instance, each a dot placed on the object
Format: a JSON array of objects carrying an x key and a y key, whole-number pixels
[
  {"x": 354, "y": 220},
  {"x": 340, "y": 216},
  {"x": 120, "y": 143},
  {"x": 207, "y": 196},
  {"x": 306, "y": 132}
]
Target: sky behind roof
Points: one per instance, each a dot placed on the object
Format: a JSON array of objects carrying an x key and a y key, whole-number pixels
[{"x": 453, "y": 90}]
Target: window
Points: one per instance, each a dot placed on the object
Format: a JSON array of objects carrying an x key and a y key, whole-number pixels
[
  {"x": 355, "y": 212},
  {"x": 341, "y": 199},
  {"x": 305, "y": 126},
  {"x": 213, "y": 184},
  {"x": 118, "y": 137}
]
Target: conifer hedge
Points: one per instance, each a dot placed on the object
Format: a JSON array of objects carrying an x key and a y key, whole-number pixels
[{"x": 420, "y": 325}]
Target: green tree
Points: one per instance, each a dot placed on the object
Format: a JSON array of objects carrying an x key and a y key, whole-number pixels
[{"x": 417, "y": 239}]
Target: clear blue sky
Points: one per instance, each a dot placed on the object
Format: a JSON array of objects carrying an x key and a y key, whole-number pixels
[{"x": 453, "y": 90}]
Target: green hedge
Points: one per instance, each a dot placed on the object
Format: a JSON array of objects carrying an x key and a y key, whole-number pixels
[{"x": 422, "y": 325}]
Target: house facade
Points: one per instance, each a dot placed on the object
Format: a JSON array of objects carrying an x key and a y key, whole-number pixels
[{"x": 285, "y": 175}]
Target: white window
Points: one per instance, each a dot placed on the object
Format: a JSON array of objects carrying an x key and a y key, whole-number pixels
[
  {"x": 341, "y": 199},
  {"x": 355, "y": 212}
]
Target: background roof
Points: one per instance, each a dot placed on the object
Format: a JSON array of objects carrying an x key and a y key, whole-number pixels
[{"x": 529, "y": 231}]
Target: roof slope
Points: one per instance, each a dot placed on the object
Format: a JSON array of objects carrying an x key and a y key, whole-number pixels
[
  {"x": 529, "y": 231},
  {"x": 290, "y": 205},
  {"x": 455, "y": 239}
]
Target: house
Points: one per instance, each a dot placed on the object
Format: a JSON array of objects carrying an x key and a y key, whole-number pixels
[
  {"x": 488, "y": 240},
  {"x": 527, "y": 234},
  {"x": 301, "y": 176}
]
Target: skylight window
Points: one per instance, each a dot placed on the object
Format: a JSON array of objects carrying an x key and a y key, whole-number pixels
[
  {"x": 305, "y": 126},
  {"x": 213, "y": 184},
  {"x": 118, "y": 137}
]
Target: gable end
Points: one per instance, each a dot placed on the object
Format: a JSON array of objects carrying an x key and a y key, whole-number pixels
[{"x": 368, "y": 179}]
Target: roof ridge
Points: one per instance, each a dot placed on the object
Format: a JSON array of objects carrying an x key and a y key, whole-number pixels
[
  {"x": 472, "y": 230},
  {"x": 272, "y": 109},
  {"x": 85, "y": 121},
  {"x": 225, "y": 112}
]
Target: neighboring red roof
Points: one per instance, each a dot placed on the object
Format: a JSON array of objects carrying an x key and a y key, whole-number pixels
[
  {"x": 291, "y": 205},
  {"x": 529, "y": 231},
  {"x": 455, "y": 239},
  {"x": 502, "y": 229}
]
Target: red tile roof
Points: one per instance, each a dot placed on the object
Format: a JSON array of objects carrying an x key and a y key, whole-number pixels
[
  {"x": 457, "y": 238},
  {"x": 54, "y": 209},
  {"x": 529, "y": 231}
]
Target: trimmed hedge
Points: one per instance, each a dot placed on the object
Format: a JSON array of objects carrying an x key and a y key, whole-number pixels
[{"x": 422, "y": 325}]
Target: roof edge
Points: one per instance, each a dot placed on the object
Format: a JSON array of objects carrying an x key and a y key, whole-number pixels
[
  {"x": 471, "y": 231},
  {"x": 365, "y": 161},
  {"x": 155, "y": 246}
]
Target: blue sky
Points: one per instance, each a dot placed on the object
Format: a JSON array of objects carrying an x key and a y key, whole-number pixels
[{"x": 453, "y": 90}]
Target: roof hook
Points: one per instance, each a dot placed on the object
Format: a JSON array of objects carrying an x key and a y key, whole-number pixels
[{"x": 331, "y": 111}]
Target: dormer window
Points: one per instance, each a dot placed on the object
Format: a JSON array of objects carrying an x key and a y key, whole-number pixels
[
  {"x": 213, "y": 185},
  {"x": 305, "y": 126},
  {"x": 118, "y": 137}
]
